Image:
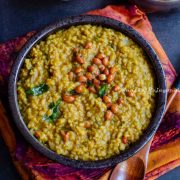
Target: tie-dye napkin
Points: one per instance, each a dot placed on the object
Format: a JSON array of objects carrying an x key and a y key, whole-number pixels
[{"x": 164, "y": 154}]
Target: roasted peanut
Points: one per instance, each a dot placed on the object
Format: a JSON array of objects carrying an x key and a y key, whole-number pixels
[
  {"x": 88, "y": 45},
  {"x": 78, "y": 70},
  {"x": 106, "y": 99},
  {"x": 120, "y": 101},
  {"x": 101, "y": 68},
  {"x": 108, "y": 115},
  {"x": 75, "y": 50},
  {"x": 91, "y": 68},
  {"x": 116, "y": 88},
  {"x": 92, "y": 89},
  {"x": 65, "y": 135},
  {"x": 96, "y": 82},
  {"x": 68, "y": 98},
  {"x": 110, "y": 78},
  {"x": 89, "y": 76},
  {"x": 124, "y": 140},
  {"x": 108, "y": 105},
  {"x": 37, "y": 134},
  {"x": 130, "y": 94},
  {"x": 106, "y": 71},
  {"x": 80, "y": 88},
  {"x": 112, "y": 70},
  {"x": 114, "y": 108},
  {"x": 102, "y": 77},
  {"x": 96, "y": 72},
  {"x": 79, "y": 59},
  {"x": 100, "y": 56},
  {"x": 87, "y": 124},
  {"x": 96, "y": 61},
  {"x": 82, "y": 78},
  {"x": 105, "y": 61}
]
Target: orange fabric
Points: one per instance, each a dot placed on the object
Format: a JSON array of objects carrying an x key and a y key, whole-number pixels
[{"x": 164, "y": 154}]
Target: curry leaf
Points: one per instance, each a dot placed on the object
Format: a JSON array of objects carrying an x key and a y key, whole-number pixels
[
  {"x": 73, "y": 92},
  {"x": 89, "y": 83},
  {"x": 51, "y": 105},
  {"x": 102, "y": 90},
  {"x": 96, "y": 38},
  {"x": 55, "y": 112},
  {"x": 38, "y": 90}
]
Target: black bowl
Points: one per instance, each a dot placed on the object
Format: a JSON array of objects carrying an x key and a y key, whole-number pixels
[{"x": 107, "y": 22}]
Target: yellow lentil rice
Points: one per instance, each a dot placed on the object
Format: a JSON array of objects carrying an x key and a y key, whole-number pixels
[{"x": 51, "y": 60}]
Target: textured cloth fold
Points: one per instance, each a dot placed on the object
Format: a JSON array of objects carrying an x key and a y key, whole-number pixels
[{"x": 164, "y": 154}]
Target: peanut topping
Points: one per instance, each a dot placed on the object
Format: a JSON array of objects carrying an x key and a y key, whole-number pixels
[
  {"x": 116, "y": 88},
  {"x": 112, "y": 70},
  {"x": 65, "y": 135},
  {"x": 109, "y": 105},
  {"x": 75, "y": 50},
  {"x": 68, "y": 98},
  {"x": 96, "y": 72},
  {"x": 100, "y": 56},
  {"x": 37, "y": 134},
  {"x": 102, "y": 77},
  {"x": 79, "y": 59},
  {"x": 124, "y": 140},
  {"x": 91, "y": 68},
  {"x": 96, "y": 82},
  {"x": 89, "y": 76},
  {"x": 108, "y": 115},
  {"x": 105, "y": 61},
  {"x": 78, "y": 70},
  {"x": 120, "y": 101},
  {"x": 82, "y": 78},
  {"x": 96, "y": 61},
  {"x": 92, "y": 89},
  {"x": 88, "y": 45},
  {"x": 130, "y": 94},
  {"x": 106, "y": 99},
  {"x": 87, "y": 124},
  {"x": 101, "y": 68},
  {"x": 114, "y": 108},
  {"x": 110, "y": 78},
  {"x": 106, "y": 71},
  {"x": 80, "y": 88}
]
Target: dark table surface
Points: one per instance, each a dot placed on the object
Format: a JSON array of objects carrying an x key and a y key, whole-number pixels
[{"x": 18, "y": 17}]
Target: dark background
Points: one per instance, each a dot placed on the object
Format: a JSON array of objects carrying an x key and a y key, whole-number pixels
[{"x": 17, "y": 17}]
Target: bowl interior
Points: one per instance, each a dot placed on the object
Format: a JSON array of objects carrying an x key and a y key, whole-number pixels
[{"x": 107, "y": 22}]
